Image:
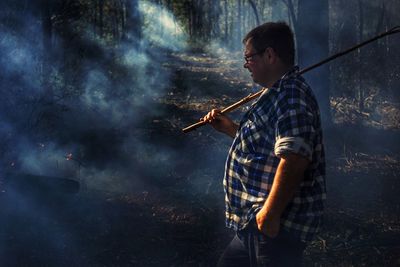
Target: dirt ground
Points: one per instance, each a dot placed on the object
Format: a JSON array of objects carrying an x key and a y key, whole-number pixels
[{"x": 179, "y": 221}]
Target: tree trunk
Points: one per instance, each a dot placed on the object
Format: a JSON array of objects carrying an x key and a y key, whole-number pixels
[
  {"x": 216, "y": 10},
  {"x": 122, "y": 16},
  {"x": 100, "y": 8},
  {"x": 253, "y": 6},
  {"x": 312, "y": 33},
  {"x": 292, "y": 16},
  {"x": 47, "y": 49},
  {"x": 359, "y": 59},
  {"x": 132, "y": 22},
  {"x": 226, "y": 20},
  {"x": 116, "y": 8},
  {"x": 239, "y": 23}
]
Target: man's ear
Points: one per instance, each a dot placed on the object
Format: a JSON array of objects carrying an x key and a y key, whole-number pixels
[{"x": 270, "y": 55}]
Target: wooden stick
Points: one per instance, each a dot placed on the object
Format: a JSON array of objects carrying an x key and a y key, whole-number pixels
[
  {"x": 225, "y": 110},
  {"x": 253, "y": 96}
]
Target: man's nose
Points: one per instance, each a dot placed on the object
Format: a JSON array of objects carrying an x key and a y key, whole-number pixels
[{"x": 246, "y": 65}]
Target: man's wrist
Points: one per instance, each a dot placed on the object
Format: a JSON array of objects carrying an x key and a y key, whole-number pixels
[
  {"x": 232, "y": 130},
  {"x": 270, "y": 214}
]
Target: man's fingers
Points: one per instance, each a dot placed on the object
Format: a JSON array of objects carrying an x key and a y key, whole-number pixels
[
  {"x": 215, "y": 113},
  {"x": 211, "y": 116}
]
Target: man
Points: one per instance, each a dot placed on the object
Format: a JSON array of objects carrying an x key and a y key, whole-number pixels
[{"x": 275, "y": 172}]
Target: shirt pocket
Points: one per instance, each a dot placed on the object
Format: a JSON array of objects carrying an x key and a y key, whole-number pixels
[
  {"x": 250, "y": 166},
  {"x": 254, "y": 137}
]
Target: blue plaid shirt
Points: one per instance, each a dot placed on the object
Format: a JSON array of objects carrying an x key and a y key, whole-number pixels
[{"x": 285, "y": 119}]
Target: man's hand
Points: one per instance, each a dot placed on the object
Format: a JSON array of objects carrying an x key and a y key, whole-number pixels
[
  {"x": 220, "y": 122},
  {"x": 268, "y": 225}
]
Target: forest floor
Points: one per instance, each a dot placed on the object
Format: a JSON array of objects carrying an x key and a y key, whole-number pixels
[{"x": 177, "y": 218}]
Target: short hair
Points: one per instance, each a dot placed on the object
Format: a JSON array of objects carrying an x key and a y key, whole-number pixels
[{"x": 276, "y": 35}]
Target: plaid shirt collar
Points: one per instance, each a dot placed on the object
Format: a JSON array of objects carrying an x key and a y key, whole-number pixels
[{"x": 294, "y": 71}]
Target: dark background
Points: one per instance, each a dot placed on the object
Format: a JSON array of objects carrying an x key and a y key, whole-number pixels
[{"x": 95, "y": 170}]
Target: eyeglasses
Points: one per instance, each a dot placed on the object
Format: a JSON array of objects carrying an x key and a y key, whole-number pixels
[{"x": 249, "y": 58}]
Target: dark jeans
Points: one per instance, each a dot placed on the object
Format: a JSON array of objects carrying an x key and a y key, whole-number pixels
[{"x": 250, "y": 247}]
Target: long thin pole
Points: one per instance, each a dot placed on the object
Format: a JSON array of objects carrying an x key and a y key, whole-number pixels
[{"x": 255, "y": 95}]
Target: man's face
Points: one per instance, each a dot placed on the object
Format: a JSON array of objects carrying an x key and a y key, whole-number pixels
[{"x": 254, "y": 63}]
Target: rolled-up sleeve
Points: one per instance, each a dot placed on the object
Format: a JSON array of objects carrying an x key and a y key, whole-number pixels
[{"x": 295, "y": 145}]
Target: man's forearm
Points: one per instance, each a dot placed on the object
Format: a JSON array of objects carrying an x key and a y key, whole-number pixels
[
  {"x": 232, "y": 130},
  {"x": 287, "y": 180}
]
